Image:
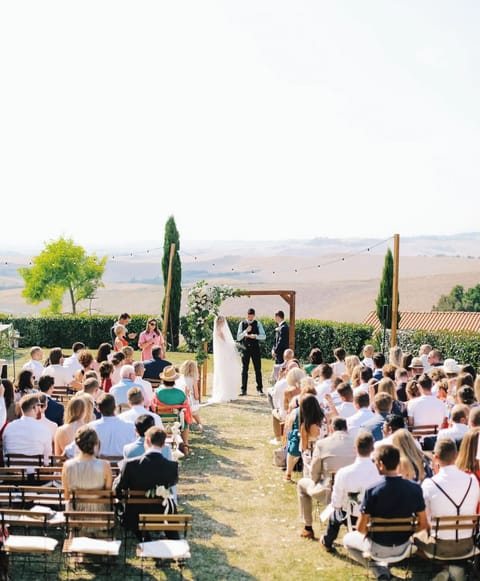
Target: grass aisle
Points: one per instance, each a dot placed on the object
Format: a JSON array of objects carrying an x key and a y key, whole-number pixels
[{"x": 246, "y": 524}]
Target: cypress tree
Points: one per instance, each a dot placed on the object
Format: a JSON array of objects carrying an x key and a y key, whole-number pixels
[
  {"x": 172, "y": 237},
  {"x": 384, "y": 300}
]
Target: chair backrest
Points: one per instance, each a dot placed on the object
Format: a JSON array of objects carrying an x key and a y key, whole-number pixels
[
  {"x": 181, "y": 523},
  {"x": 406, "y": 524},
  {"x": 13, "y": 474},
  {"x": 92, "y": 497},
  {"x": 49, "y": 496},
  {"x": 78, "y": 520},
  {"x": 23, "y": 518},
  {"x": 423, "y": 430},
  {"x": 23, "y": 460},
  {"x": 467, "y": 522}
]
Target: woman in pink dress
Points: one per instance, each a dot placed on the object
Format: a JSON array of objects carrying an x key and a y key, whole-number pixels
[{"x": 151, "y": 337}]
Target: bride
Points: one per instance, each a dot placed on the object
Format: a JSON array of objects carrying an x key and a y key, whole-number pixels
[{"x": 226, "y": 363}]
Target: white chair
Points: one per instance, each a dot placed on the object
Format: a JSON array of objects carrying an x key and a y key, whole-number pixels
[{"x": 176, "y": 550}]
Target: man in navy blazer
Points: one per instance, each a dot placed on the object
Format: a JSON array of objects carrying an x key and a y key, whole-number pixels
[
  {"x": 282, "y": 342},
  {"x": 146, "y": 473},
  {"x": 55, "y": 409},
  {"x": 153, "y": 367}
]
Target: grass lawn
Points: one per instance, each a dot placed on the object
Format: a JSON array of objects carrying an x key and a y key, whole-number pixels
[{"x": 245, "y": 516}]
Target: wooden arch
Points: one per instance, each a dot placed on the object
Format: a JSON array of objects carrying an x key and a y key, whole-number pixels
[{"x": 288, "y": 296}]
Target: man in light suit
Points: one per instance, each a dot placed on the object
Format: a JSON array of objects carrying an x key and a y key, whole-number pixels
[
  {"x": 282, "y": 341},
  {"x": 146, "y": 473},
  {"x": 330, "y": 454}
]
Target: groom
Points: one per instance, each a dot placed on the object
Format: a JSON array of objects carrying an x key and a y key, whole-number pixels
[
  {"x": 250, "y": 332},
  {"x": 282, "y": 339}
]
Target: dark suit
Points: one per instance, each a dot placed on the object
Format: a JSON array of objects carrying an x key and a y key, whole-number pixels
[
  {"x": 282, "y": 340},
  {"x": 153, "y": 368},
  {"x": 144, "y": 473},
  {"x": 54, "y": 411},
  {"x": 251, "y": 351}
]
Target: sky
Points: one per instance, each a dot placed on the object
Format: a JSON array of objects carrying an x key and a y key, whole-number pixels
[{"x": 251, "y": 120}]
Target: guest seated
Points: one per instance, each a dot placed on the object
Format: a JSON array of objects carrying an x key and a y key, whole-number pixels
[
  {"x": 392, "y": 497},
  {"x": 168, "y": 399}
]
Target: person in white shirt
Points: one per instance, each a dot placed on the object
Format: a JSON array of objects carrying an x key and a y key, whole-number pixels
[
  {"x": 146, "y": 386},
  {"x": 348, "y": 489},
  {"x": 450, "y": 492},
  {"x": 113, "y": 433},
  {"x": 362, "y": 415},
  {"x": 426, "y": 409},
  {"x": 137, "y": 408},
  {"x": 35, "y": 364},
  {"x": 458, "y": 424},
  {"x": 324, "y": 385},
  {"x": 346, "y": 408},
  {"x": 28, "y": 435},
  {"x": 55, "y": 368},
  {"x": 366, "y": 375},
  {"x": 72, "y": 363},
  {"x": 368, "y": 352}
]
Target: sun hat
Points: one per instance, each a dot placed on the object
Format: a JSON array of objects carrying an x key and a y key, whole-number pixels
[
  {"x": 169, "y": 373},
  {"x": 416, "y": 362},
  {"x": 451, "y": 366}
]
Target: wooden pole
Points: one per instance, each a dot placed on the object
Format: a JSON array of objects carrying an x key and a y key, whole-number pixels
[
  {"x": 396, "y": 260},
  {"x": 204, "y": 370},
  {"x": 166, "y": 313}
]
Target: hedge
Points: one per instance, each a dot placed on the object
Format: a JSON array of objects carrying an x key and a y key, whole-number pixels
[{"x": 62, "y": 331}]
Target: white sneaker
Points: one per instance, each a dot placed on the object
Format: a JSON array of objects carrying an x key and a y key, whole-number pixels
[
  {"x": 442, "y": 576},
  {"x": 275, "y": 442}
]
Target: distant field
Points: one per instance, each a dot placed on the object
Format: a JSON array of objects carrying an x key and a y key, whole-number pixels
[{"x": 340, "y": 291}]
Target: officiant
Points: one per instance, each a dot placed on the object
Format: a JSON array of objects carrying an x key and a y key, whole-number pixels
[{"x": 250, "y": 332}]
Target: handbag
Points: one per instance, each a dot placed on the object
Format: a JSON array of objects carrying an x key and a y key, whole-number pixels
[{"x": 280, "y": 458}]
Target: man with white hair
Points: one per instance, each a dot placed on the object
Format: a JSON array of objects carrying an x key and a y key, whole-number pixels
[{"x": 120, "y": 389}]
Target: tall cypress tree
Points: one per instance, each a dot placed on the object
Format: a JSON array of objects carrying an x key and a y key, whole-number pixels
[
  {"x": 172, "y": 237},
  {"x": 384, "y": 300}
]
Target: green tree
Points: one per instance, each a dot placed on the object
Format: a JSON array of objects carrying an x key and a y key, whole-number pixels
[
  {"x": 62, "y": 267},
  {"x": 384, "y": 300},
  {"x": 172, "y": 237},
  {"x": 460, "y": 299}
]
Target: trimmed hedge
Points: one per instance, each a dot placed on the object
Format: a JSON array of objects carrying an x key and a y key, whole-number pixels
[{"x": 62, "y": 331}]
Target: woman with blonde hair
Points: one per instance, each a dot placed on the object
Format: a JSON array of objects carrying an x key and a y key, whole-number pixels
[
  {"x": 412, "y": 459},
  {"x": 467, "y": 453},
  {"x": 74, "y": 417},
  {"x": 395, "y": 355},
  {"x": 351, "y": 361},
  {"x": 388, "y": 386},
  {"x": 190, "y": 376}
]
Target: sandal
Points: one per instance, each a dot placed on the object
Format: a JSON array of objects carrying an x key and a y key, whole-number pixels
[{"x": 288, "y": 477}]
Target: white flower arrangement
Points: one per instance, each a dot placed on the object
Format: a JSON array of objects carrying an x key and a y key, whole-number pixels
[
  {"x": 160, "y": 492},
  {"x": 203, "y": 302}
]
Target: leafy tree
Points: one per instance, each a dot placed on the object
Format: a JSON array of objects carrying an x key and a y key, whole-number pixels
[
  {"x": 460, "y": 300},
  {"x": 384, "y": 300},
  {"x": 62, "y": 267},
  {"x": 172, "y": 237}
]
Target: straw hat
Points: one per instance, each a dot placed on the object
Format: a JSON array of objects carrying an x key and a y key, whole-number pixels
[
  {"x": 169, "y": 373},
  {"x": 451, "y": 366}
]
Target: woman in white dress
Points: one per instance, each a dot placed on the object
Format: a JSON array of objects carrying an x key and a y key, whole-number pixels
[{"x": 227, "y": 369}]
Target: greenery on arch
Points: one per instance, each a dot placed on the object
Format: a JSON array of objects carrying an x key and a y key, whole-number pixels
[{"x": 204, "y": 301}]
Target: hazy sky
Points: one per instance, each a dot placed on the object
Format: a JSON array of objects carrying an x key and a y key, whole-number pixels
[{"x": 248, "y": 119}]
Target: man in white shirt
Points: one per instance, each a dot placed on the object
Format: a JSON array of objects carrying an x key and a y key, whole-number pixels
[
  {"x": 35, "y": 364},
  {"x": 362, "y": 415},
  {"x": 349, "y": 487},
  {"x": 71, "y": 363},
  {"x": 55, "y": 368},
  {"x": 112, "y": 431},
  {"x": 458, "y": 424},
  {"x": 450, "y": 492},
  {"x": 135, "y": 401},
  {"x": 426, "y": 409},
  {"x": 146, "y": 386},
  {"x": 28, "y": 435}
]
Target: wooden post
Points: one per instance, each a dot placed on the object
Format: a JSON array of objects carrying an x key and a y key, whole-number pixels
[
  {"x": 204, "y": 370},
  {"x": 166, "y": 313},
  {"x": 396, "y": 260}
]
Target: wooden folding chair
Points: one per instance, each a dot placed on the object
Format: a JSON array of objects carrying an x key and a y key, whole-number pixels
[
  {"x": 468, "y": 524},
  {"x": 22, "y": 524},
  {"x": 32, "y": 460},
  {"x": 176, "y": 550},
  {"x": 393, "y": 525},
  {"x": 101, "y": 500},
  {"x": 90, "y": 537}
]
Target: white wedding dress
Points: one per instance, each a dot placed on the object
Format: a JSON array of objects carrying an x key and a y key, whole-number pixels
[{"x": 227, "y": 369}]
